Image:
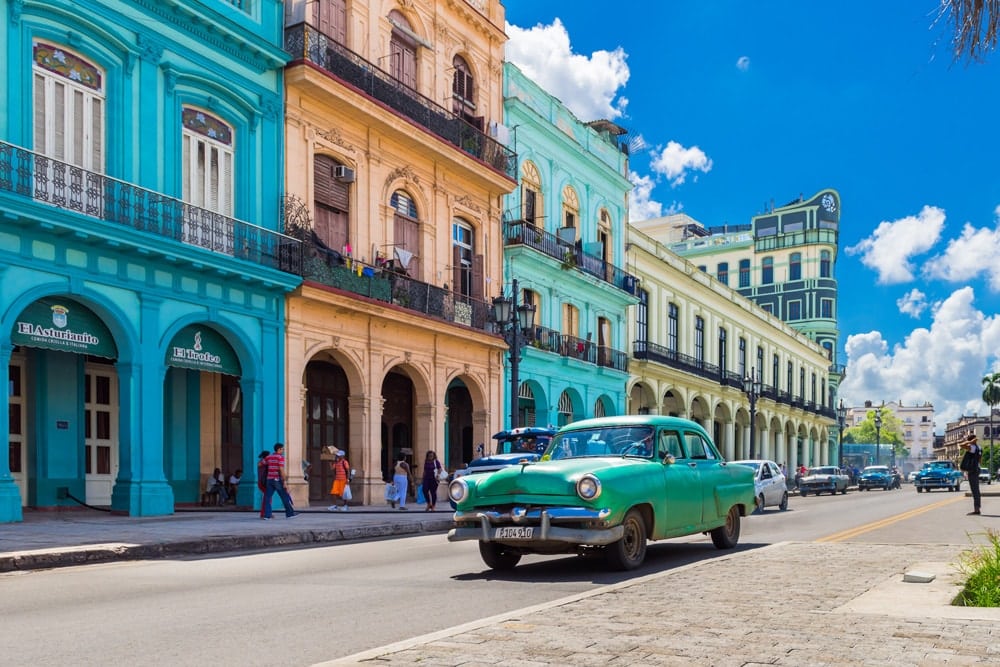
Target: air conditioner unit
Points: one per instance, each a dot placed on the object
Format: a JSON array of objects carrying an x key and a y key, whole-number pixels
[{"x": 343, "y": 174}]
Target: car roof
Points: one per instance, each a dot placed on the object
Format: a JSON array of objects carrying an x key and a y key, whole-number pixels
[
  {"x": 524, "y": 431},
  {"x": 636, "y": 420}
]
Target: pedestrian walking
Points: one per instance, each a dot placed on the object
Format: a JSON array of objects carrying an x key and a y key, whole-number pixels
[
  {"x": 431, "y": 479},
  {"x": 970, "y": 464},
  {"x": 277, "y": 480},
  {"x": 401, "y": 480},
  {"x": 262, "y": 478},
  {"x": 341, "y": 478}
]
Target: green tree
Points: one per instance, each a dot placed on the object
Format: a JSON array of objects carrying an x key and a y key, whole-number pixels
[
  {"x": 991, "y": 396},
  {"x": 891, "y": 432},
  {"x": 975, "y": 27}
]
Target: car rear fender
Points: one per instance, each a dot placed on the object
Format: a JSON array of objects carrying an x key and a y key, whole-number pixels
[{"x": 728, "y": 495}]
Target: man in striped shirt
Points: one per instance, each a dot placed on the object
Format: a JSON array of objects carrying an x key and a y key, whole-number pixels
[{"x": 277, "y": 478}]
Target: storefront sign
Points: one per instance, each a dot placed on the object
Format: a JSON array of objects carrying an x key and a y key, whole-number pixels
[
  {"x": 64, "y": 325},
  {"x": 202, "y": 348}
]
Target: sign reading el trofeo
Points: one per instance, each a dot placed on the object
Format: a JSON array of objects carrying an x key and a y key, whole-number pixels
[
  {"x": 63, "y": 325},
  {"x": 203, "y": 349}
]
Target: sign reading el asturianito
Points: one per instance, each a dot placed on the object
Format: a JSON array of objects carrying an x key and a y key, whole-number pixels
[{"x": 61, "y": 324}]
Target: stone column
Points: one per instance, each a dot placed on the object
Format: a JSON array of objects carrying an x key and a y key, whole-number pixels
[{"x": 10, "y": 495}]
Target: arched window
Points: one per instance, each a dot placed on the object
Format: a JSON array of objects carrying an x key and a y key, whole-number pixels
[
  {"x": 531, "y": 195},
  {"x": 824, "y": 264},
  {"x": 331, "y": 196},
  {"x": 207, "y": 149},
  {"x": 406, "y": 233},
  {"x": 722, "y": 273},
  {"x": 767, "y": 271},
  {"x": 463, "y": 91},
  {"x": 467, "y": 266},
  {"x": 570, "y": 214},
  {"x": 795, "y": 266},
  {"x": 402, "y": 50},
  {"x": 604, "y": 238},
  {"x": 744, "y": 273}
]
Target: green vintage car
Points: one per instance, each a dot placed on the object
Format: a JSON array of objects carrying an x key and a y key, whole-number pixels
[{"x": 611, "y": 484}]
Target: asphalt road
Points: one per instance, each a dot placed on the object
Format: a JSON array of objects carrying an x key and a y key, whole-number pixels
[{"x": 298, "y": 607}]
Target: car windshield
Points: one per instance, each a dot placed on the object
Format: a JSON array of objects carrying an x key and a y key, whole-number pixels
[
  {"x": 876, "y": 469},
  {"x": 825, "y": 470},
  {"x": 611, "y": 441},
  {"x": 750, "y": 464}
]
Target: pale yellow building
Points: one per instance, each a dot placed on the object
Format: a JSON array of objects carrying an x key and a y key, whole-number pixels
[
  {"x": 394, "y": 178},
  {"x": 700, "y": 350}
]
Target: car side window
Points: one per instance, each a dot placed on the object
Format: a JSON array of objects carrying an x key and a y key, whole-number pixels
[
  {"x": 670, "y": 443},
  {"x": 697, "y": 448},
  {"x": 765, "y": 471}
]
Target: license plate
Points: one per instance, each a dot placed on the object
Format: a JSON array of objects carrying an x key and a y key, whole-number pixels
[{"x": 514, "y": 533}]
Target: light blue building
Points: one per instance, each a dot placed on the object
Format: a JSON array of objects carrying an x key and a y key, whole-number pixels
[
  {"x": 564, "y": 242},
  {"x": 142, "y": 278}
]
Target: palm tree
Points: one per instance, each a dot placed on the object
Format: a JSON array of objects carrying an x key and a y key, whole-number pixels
[
  {"x": 991, "y": 396},
  {"x": 976, "y": 25}
]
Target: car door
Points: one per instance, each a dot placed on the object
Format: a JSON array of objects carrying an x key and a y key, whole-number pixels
[
  {"x": 711, "y": 473},
  {"x": 767, "y": 485},
  {"x": 681, "y": 510}
]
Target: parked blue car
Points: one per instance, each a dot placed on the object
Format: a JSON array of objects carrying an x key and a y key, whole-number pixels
[{"x": 879, "y": 477}]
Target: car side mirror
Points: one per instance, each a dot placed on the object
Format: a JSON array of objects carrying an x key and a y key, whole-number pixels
[{"x": 669, "y": 459}]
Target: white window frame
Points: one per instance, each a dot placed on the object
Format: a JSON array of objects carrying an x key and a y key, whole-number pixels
[{"x": 208, "y": 175}]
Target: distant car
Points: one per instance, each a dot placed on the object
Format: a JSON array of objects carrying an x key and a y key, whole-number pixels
[
  {"x": 822, "y": 479},
  {"x": 938, "y": 475},
  {"x": 769, "y": 484},
  {"x": 605, "y": 485},
  {"x": 513, "y": 446},
  {"x": 912, "y": 476},
  {"x": 984, "y": 476},
  {"x": 879, "y": 477}
]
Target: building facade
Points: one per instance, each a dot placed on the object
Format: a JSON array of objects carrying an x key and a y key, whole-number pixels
[
  {"x": 395, "y": 187},
  {"x": 564, "y": 241},
  {"x": 143, "y": 280},
  {"x": 703, "y": 351}
]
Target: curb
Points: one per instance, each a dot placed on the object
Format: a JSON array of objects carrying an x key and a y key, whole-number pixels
[{"x": 107, "y": 553}]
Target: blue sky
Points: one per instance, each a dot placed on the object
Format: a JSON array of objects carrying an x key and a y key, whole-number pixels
[{"x": 734, "y": 104}]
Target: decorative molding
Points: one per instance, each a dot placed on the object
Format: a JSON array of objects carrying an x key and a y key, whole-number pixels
[
  {"x": 466, "y": 201},
  {"x": 169, "y": 77},
  {"x": 405, "y": 172},
  {"x": 150, "y": 50},
  {"x": 334, "y": 136},
  {"x": 15, "y": 9},
  {"x": 270, "y": 107}
]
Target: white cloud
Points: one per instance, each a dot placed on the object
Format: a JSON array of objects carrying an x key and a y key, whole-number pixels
[
  {"x": 587, "y": 85},
  {"x": 912, "y": 303},
  {"x": 675, "y": 161},
  {"x": 641, "y": 207},
  {"x": 975, "y": 252},
  {"x": 943, "y": 364},
  {"x": 890, "y": 248},
  {"x": 743, "y": 63}
]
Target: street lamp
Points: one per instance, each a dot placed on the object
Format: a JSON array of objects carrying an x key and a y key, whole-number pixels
[
  {"x": 515, "y": 322},
  {"x": 878, "y": 434},
  {"x": 752, "y": 388},
  {"x": 842, "y": 419}
]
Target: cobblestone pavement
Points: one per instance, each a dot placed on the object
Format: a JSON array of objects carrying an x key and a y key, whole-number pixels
[{"x": 735, "y": 611}]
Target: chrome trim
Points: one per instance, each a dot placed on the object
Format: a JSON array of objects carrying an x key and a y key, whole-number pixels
[{"x": 597, "y": 537}]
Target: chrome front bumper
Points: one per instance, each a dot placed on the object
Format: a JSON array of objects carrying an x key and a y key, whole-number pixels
[{"x": 487, "y": 521}]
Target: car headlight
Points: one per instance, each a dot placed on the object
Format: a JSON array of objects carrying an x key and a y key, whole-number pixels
[
  {"x": 588, "y": 487},
  {"x": 458, "y": 490}
]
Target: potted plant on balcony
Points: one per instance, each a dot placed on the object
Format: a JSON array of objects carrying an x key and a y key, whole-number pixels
[{"x": 569, "y": 260}]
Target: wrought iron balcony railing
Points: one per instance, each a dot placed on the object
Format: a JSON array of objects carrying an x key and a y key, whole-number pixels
[
  {"x": 305, "y": 42},
  {"x": 572, "y": 347},
  {"x": 522, "y": 232},
  {"x": 43, "y": 179},
  {"x": 647, "y": 351},
  {"x": 328, "y": 267}
]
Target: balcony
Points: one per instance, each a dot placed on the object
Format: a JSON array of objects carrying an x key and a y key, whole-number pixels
[
  {"x": 523, "y": 232},
  {"x": 48, "y": 181},
  {"x": 571, "y": 347},
  {"x": 647, "y": 351},
  {"x": 304, "y": 42},
  {"x": 328, "y": 267}
]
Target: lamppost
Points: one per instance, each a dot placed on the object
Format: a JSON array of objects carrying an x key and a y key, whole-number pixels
[
  {"x": 752, "y": 388},
  {"x": 842, "y": 420},
  {"x": 515, "y": 322},
  {"x": 878, "y": 434}
]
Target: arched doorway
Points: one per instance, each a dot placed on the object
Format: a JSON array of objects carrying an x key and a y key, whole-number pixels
[
  {"x": 459, "y": 428},
  {"x": 397, "y": 421},
  {"x": 327, "y": 423}
]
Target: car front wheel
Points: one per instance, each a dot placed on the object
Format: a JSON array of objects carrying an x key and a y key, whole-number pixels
[
  {"x": 784, "y": 502},
  {"x": 760, "y": 504},
  {"x": 628, "y": 552},
  {"x": 727, "y": 535},
  {"x": 497, "y": 556}
]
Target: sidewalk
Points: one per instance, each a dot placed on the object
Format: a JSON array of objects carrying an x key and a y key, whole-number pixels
[{"x": 48, "y": 539}]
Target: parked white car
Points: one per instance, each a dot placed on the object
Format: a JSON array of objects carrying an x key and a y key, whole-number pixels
[{"x": 769, "y": 484}]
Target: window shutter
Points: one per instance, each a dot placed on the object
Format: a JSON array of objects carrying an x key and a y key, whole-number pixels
[
  {"x": 529, "y": 205},
  {"x": 40, "y": 144},
  {"x": 456, "y": 269},
  {"x": 477, "y": 277}
]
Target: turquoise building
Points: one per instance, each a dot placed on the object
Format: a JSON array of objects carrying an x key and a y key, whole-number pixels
[
  {"x": 142, "y": 275},
  {"x": 564, "y": 243}
]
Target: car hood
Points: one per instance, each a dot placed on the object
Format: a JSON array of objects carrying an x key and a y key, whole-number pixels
[
  {"x": 553, "y": 478},
  {"x": 935, "y": 472},
  {"x": 819, "y": 478},
  {"x": 503, "y": 459},
  {"x": 870, "y": 475}
]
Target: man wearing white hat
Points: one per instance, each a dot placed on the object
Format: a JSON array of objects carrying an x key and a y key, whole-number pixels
[{"x": 341, "y": 491}]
